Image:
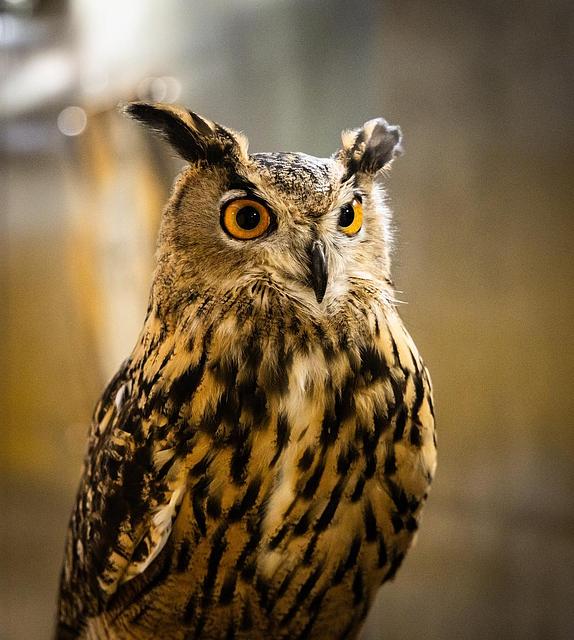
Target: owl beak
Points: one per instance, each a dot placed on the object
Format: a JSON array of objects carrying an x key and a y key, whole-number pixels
[{"x": 319, "y": 271}]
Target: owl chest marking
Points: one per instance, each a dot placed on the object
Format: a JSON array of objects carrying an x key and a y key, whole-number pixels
[
  {"x": 320, "y": 475},
  {"x": 289, "y": 463}
]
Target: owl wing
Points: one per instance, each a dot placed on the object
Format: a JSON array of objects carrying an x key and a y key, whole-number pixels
[{"x": 125, "y": 506}]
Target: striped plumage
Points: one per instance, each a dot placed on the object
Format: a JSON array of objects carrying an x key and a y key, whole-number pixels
[{"x": 257, "y": 466}]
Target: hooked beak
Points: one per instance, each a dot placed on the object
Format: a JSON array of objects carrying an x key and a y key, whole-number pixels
[{"x": 319, "y": 271}]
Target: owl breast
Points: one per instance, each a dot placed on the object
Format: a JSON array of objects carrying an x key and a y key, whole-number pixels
[{"x": 302, "y": 451}]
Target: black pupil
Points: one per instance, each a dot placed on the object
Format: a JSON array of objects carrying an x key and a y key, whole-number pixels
[
  {"x": 247, "y": 218},
  {"x": 347, "y": 216}
]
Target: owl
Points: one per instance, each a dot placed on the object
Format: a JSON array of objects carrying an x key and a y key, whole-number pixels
[{"x": 257, "y": 466}]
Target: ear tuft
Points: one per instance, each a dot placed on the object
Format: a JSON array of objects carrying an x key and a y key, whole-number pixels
[
  {"x": 369, "y": 149},
  {"x": 195, "y": 138}
]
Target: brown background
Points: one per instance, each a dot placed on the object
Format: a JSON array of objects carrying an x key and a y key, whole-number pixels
[{"x": 483, "y": 207}]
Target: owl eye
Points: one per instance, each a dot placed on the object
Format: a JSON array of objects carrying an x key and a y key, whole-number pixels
[
  {"x": 351, "y": 217},
  {"x": 245, "y": 219}
]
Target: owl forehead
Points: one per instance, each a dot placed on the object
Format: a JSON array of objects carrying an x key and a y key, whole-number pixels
[{"x": 308, "y": 181}]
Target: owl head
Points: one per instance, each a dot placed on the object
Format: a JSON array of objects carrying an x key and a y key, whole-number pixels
[{"x": 309, "y": 229}]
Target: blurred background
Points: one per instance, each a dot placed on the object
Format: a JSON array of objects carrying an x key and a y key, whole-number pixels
[{"x": 483, "y": 203}]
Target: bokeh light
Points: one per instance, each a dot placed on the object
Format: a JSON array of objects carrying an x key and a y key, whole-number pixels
[{"x": 72, "y": 121}]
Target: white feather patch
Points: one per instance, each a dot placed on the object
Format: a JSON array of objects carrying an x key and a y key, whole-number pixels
[
  {"x": 158, "y": 534},
  {"x": 121, "y": 395}
]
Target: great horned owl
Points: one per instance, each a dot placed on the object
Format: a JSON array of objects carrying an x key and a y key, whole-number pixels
[{"x": 257, "y": 466}]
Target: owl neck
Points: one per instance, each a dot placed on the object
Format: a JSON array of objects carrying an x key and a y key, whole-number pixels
[{"x": 260, "y": 332}]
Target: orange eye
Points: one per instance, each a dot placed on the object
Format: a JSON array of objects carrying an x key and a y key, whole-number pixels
[
  {"x": 245, "y": 219},
  {"x": 351, "y": 217}
]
